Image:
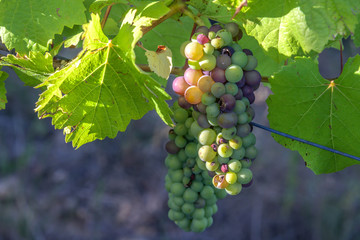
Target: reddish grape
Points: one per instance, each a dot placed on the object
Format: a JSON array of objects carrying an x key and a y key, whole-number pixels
[
  {"x": 179, "y": 85},
  {"x": 192, "y": 76},
  {"x": 218, "y": 75},
  {"x": 183, "y": 103},
  {"x": 204, "y": 83},
  {"x": 202, "y": 39},
  {"x": 193, "y": 95},
  {"x": 227, "y": 103}
]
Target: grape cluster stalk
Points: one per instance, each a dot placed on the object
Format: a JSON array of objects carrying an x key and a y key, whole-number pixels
[{"x": 211, "y": 147}]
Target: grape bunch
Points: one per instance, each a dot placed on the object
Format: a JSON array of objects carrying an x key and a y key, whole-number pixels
[{"x": 212, "y": 137}]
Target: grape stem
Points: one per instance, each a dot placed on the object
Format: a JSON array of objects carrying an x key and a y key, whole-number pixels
[
  {"x": 238, "y": 9},
  {"x": 106, "y": 16},
  {"x": 176, "y": 7}
]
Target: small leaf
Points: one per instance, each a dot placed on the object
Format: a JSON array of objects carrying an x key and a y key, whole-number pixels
[
  {"x": 3, "y": 99},
  {"x": 160, "y": 61},
  {"x": 312, "y": 108}
]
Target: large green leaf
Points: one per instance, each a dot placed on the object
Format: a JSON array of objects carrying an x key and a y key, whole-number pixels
[
  {"x": 32, "y": 70},
  {"x": 31, "y": 25},
  {"x": 213, "y": 9},
  {"x": 307, "y": 106},
  {"x": 3, "y": 99},
  {"x": 296, "y": 27},
  {"x": 101, "y": 90}
]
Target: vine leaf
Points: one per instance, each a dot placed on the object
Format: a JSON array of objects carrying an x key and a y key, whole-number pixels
[
  {"x": 164, "y": 34},
  {"x": 31, "y": 25},
  {"x": 307, "y": 106},
  {"x": 32, "y": 70},
  {"x": 297, "y": 27},
  {"x": 101, "y": 90},
  {"x": 3, "y": 99},
  {"x": 160, "y": 61},
  {"x": 97, "y": 5}
]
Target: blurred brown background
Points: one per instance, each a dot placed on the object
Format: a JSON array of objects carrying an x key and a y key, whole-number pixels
[{"x": 114, "y": 189}]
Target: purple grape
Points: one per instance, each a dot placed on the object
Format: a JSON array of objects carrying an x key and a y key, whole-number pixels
[
  {"x": 227, "y": 50},
  {"x": 201, "y": 107},
  {"x": 218, "y": 75},
  {"x": 224, "y": 168},
  {"x": 214, "y": 146},
  {"x": 238, "y": 36},
  {"x": 252, "y": 78},
  {"x": 202, "y": 29},
  {"x": 247, "y": 51},
  {"x": 223, "y": 61},
  {"x": 239, "y": 95},
  {"x": 171, "y": 147},
  {"x": 202, "y": 39},
  {"x": 183, "y": 103},
  {"x": 222, "y": 140},
  {"x": 202, "y": 121},
  {"x": 248, "y": 184},
  {"x": 215, "y": 28},
  {"x": 247, "y": 90},
  {"x": 227, "y": 120},
  {"x": 241, "y": 83},
  {"x": 251, "y": 97},
  {"x": 227, "y": 103},
  {"x": 207, "y": 73}
]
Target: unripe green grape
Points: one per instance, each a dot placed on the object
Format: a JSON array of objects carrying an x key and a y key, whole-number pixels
[
  {"x": 219, "y": 138},
  {"x": 238, "y": 153},
  {"x": 180, "y": 141},
  {"x": 244, "y": 176},
  {"x": 234, "y": 165},
  {"x": 231, "y": 177},
  {"x": 171, "y": 215},
  {"x": 208, "y": 48},
  {"x": 251, "y": 64},
  {"x": 211, "y": 200},
  {"x": 186, "y": 180},
  {"x": 236, "y": 143},
  {"x": 240, "y": 107},
  {"x": 198, "y": 225},
  {"x": 194, "y": 64},
  {"x": 199, "y": 213},
  {"x": 207, "y": 98},
  {"x": 225, "y": 35},
  {"x": 243, "y": 118},
  {"x": 251, "y": 152},
  {"x": 195, "y": 115},
  {"x": 246, "y": 101},
  {"x": 220, "y": 193},
  {"x": 176, "y": 175},
  {"x": 236, "y": 47},
  {"x": 168, "y": 185},
  {"x": 172, "y": 135},
  {"x": 172, "y": 162},
  {"x": 234, "y": 73},
  {"x": 212, "y": 166},
  {"x": 207, "y": 62},
  {"x": 239, "y": 58},
  {"x": 217, "y": 42},
  {"x": 210, "y": 221},
  {"x": 222, "y": 160},
  {"x": 233, "y": 189},
  {"x": 195, "y": 129},
  {"x": 180, "y": 115},
  {"x": 213, "y": 121},
  {"x": 187, "y": 172},
  {"x": 245, "y": 163},
  {"x": 249, "y": 140},
  {"x": 208, "y": 211},
  {"x": 179, "y": 201},
  {"x": 190, "y": 162},
  {"x": 197, "y": 186},
  {"x": 213, "y": 110},
  {"x": 216, "y": 53},
  {"x": 228, "y": 133},
  {"x": 177, "y": 215},
  {"x": 207, "y": 192},
  {"x": 206, "y": 153},
  {"x": 218, "y": 89},
  {"x": 191, "y": 150},
  {"x": 200, "y": 203},
  {"x": 180, "y": 129},
  {"x": 177, "y": 189},
  {"x": 184, "y": 224},
  {"x": 190, "y": 195},
  {"x": 188, "y": 208},
  {"x": 211, "y": 35},
  {"x": 207, "y": 136},
  {"x": 188, "y": 122},
  {"x": 201, "y": 164},
  {"x": 172, "y": 205},
  {"x": 224, "y": 150},
  {"x": 231, "y": 88},
  {"x": 181, "y": 155}
]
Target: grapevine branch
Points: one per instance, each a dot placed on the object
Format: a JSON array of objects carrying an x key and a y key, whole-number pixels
[
  {"x": 106, "y": 16},
  {"x": 238, "y": 9},
  {"x": 304, "y": 141}
]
